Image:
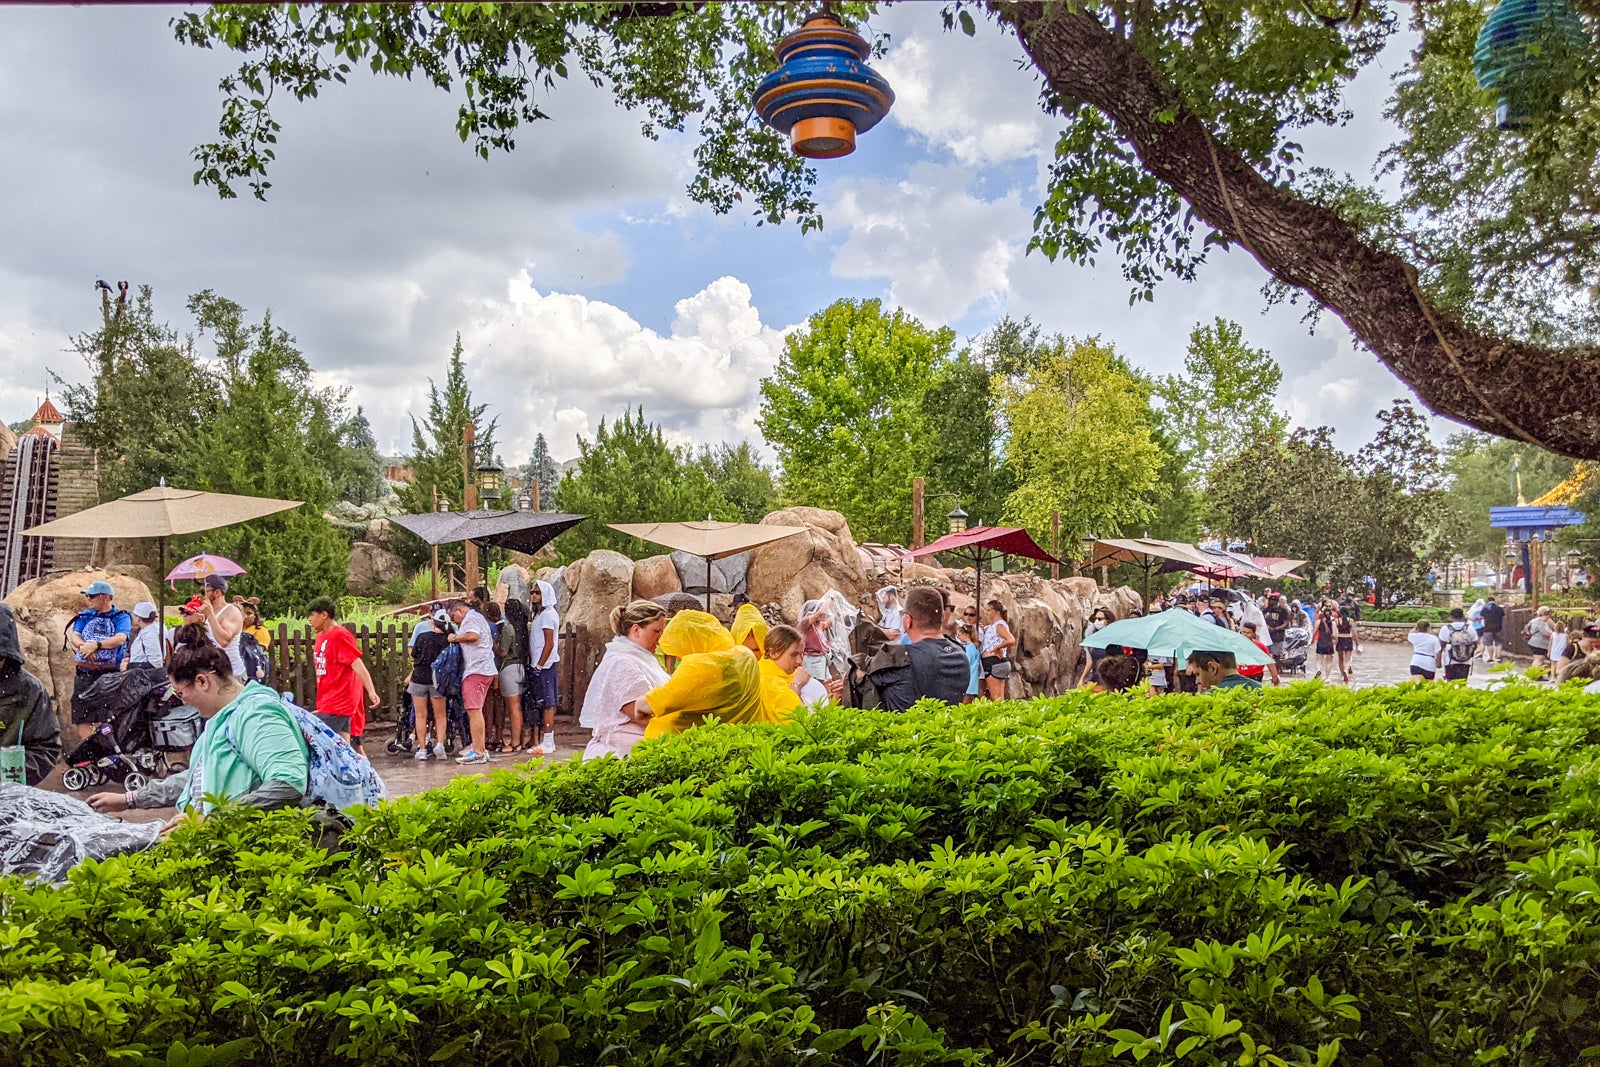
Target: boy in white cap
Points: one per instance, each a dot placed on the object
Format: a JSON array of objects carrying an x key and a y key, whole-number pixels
[{"x": 147, "y": 649}]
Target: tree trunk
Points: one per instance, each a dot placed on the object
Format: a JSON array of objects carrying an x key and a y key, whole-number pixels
[{"x": 1506, "y": 387}]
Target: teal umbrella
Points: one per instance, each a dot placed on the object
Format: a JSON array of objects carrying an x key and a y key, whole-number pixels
[{"x": 1173, "y": 634}]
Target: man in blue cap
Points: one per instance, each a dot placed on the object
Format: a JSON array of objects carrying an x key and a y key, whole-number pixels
[{"x": 99, "y": 636}]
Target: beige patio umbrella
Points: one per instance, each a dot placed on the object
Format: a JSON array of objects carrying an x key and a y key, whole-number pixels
[
  {"x": 709, "y": 539},
  {"x": 161, "y": 513}
]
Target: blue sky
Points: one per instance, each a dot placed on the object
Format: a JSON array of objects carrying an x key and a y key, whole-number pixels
[{"x": 580, "y": 276}]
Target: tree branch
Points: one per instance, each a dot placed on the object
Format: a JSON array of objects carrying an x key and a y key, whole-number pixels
[{"x": 1540, "y": 395}]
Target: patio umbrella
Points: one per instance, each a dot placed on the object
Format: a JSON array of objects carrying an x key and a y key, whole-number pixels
[
  {"x": 978, "y": 540},
  {"x": 161, "y": 513},
  {"x": 202, "y": 566},
  {"x": 1149, "y": 554},
  {"x": 1175, "y": 633},
  {"x": 709, "y": 539},
  {"x": 515, "y": 531}
]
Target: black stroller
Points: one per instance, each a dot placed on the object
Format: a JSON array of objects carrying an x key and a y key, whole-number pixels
[
  {"x": 144, "y": 723},
  {"x": 1296, "y": 649},
  {"x": 456, "y": 729}
]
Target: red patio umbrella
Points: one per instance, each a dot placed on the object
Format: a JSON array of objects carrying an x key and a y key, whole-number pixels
[{"x": 979, "y": 540}]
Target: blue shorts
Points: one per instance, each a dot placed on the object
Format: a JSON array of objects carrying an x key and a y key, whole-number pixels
[{"x": 540, "y": 689}]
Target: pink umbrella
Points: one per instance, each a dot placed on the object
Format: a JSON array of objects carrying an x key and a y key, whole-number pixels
[{"x": 198, "y": 567}]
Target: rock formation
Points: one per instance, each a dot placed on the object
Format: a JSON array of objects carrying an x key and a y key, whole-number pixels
[
  {"x": 802, "y": 567},
  {"x": 44, "y": 607},
  {"x": 655, "y": 576},
  {"x": 605, "y": 582},
  {"x": 371, "y": 568}
]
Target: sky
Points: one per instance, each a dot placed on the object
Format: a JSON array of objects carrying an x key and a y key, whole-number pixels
[{"x": 580, "y": 277}]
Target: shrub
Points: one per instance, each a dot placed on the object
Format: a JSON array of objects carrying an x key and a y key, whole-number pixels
[
  {"x": 1303, "y": 876},
  {"x": 1407, "y": 615}
]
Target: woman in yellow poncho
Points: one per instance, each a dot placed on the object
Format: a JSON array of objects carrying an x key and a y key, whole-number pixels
[
  {"x": 782, "y": 676},
  {"x": 750, "y": 629},
  {"x": 714, "y": 677}
]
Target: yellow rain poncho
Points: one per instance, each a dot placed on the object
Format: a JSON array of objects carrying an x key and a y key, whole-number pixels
[
  {"x": 778, "y": 701},
  {"x": 746, "y": 621},
  {"x": 714, "y": 677}
]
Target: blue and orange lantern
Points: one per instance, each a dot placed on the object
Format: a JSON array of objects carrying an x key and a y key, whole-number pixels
[
  {"x": 1523, "y": 54},
  {"x": 823, "y": 93}
]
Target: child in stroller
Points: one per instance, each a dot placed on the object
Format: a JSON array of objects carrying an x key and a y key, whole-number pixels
[
  {"x": 1296, "y": 649},
  {"x": 143, "y": 724}
]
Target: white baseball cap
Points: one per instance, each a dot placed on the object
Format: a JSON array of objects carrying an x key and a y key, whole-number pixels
[{"x": 144, "y": 609}]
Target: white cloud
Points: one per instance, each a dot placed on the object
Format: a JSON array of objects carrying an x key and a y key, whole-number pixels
[
  {"x": 943, "y": 248},
  {"x": 1340, "y": 391},
  {"x": 559, "y": 362},
  {"x": 967, "y": 95}
]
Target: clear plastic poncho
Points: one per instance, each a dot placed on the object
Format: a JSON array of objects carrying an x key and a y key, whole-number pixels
[{"x": 44, "y": 835}]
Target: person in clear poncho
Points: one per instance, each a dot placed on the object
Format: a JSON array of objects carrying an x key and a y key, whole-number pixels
[{"x": 714, "y": 676}]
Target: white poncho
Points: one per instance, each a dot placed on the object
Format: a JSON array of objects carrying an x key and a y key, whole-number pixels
[{"x": 626, "y": 673}]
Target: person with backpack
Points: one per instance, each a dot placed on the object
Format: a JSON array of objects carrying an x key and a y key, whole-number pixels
[
  {"x": 252, "y": 751},
  {"x": 1492, "y": 620},
  {"x": 1460, "y": 639},
  {"x": 99, "y": 636},
  {"x": 254, "y": 641},
  {"x": 1538, "y": 631}
]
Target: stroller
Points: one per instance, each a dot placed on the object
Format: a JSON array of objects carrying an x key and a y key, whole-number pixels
[
  {"x": 405, "y": 730},
  {"x": 144, "y": 723},
  {"x": 1296, "y": 649}
]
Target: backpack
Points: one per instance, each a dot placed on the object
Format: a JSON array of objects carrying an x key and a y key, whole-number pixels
[
  {"x": 1463, "y": 642},
  {"x": 254, "y": 656},
  {"x": 338, "y": 776},
  {"x": 449, "y": 667}
]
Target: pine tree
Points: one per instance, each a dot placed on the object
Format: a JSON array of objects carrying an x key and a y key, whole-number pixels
[
  {"x": 359, "y": 477},
  {"x": 436, "y": 447},
  {"x": 542, "y": 468}
]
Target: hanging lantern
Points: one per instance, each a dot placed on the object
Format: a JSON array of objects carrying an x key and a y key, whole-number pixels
[
  {"x": 1523, "y": 51},
  {"x": 822, "y": 94}
]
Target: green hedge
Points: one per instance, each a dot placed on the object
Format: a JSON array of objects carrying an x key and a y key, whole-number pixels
[
  {"x": 1410, "y": 615},
  {"x": 1302, "y": 876}
]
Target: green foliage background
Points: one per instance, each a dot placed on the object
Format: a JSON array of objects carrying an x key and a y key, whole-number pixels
[{"x": 1302, "y": 876}]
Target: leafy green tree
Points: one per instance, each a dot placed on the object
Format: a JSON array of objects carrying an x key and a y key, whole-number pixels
[
  {"x": 145, "y": 395},
  {"x": 843, "y": 410},
  {"x": 966, "y": 431},
  {"x": 1225, "y": 398},
  {"x": 628, "y": 473},
  {"x": 1080, "y": 442},
  {"x": 542, "y": 468},
  {"x": 1390, "y": 519},
  {"x": 1481, "y": 473},
  {"x": 1181, "y": 132},
  {"x": 1287, "y": 496},
  {"x": 743, "y": 482},
  {"x": 437, "y": 443}
]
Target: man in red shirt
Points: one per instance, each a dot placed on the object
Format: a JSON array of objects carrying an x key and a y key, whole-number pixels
[{"x": 341, "y": 674}]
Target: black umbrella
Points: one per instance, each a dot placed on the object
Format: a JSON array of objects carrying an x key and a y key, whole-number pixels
[{"x": 515, "y": 531}]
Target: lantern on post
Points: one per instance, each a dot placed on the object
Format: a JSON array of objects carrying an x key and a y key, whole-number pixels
[
  {"x": 1525, "y": 52},
  {"x": 822, "y": 93}
]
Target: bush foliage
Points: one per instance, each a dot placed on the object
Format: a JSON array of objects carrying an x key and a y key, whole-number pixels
[{"x": 1305, "y": 876}]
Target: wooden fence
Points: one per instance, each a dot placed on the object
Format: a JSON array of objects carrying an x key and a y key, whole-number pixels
[{"x": 385, "y": 649}]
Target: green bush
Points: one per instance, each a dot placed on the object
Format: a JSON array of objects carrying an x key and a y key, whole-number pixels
[
  {"x": 1407, "y": 615},
  {"x": 1301, "y": 876}
]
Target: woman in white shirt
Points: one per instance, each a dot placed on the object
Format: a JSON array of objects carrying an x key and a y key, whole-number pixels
[
  {"x": 147, "y": 649},
  {"x": 1425, "y": 650}
]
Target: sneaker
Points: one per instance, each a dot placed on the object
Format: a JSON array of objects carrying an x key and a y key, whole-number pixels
[
  {"x": 471, "y": 755},
  {"x": 424, "y": 752},
  {"x": 545, "y": 747}
]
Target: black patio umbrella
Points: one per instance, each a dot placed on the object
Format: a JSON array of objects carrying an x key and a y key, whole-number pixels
[{"x": 515, "y": 531}]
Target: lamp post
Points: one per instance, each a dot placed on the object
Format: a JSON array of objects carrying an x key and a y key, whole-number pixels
[
  {"x": 958, "y": 520},
  {"x": 490, "y": 482}
]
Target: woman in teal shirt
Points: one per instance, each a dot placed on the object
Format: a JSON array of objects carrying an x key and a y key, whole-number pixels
[{"x": 252, "y": 751}]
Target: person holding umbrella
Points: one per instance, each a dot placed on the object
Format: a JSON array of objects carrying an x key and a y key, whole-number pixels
[{"x": 1218, "y": 670}]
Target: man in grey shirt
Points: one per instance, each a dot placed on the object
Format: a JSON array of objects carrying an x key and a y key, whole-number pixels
[{"x": 932, "y": 665}]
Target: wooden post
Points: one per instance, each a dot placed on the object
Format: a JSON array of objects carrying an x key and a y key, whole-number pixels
[
  {"x": 535, "y": 500},
  {"x": 917, "y": 538},
  {"x": 1536, "y": 566},
  {"x": 1055, "y": 543},
  {"x": 469, "y": 498},
  {"x": 435, "y": 573}
]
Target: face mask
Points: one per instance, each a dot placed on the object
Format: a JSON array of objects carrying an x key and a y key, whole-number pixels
[{"x": 1095, "y": 625}]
